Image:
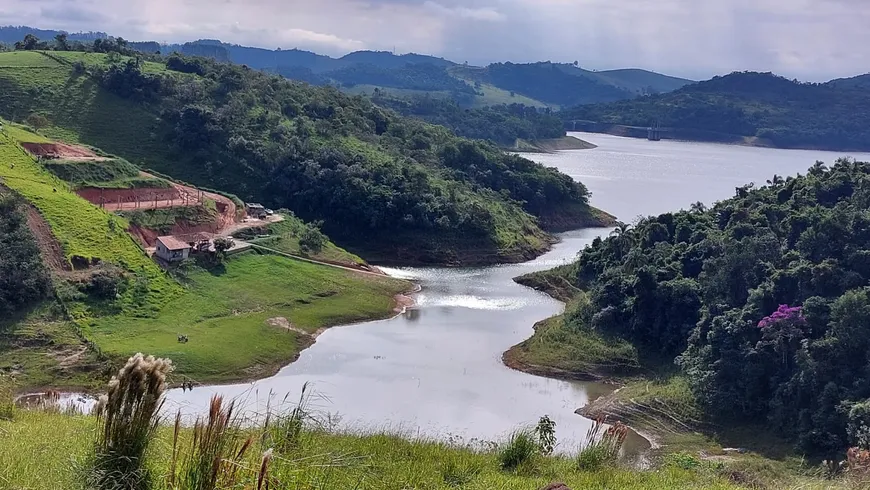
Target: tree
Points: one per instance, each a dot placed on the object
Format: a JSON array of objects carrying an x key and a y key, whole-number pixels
[
  {"x": 61, "y": 43},
  {"x": 221, "y": 245},
  {"x": 29, "y": 43}
]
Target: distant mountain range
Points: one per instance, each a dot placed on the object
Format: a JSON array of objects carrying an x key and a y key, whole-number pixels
[
  {"x": 745, "y": 107},
  {"x": 543, "y": 84}
]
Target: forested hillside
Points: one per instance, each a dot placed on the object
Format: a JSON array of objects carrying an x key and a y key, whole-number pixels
[
  {"x": 502, "y": 125},
  {"x": 781, "y": 112},
  {"x": 763, "y": 302},
  {"x": 380, "y": 182}
]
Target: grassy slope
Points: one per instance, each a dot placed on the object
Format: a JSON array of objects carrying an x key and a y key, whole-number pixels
[
  {"x": 225, "y": 312},
  {"x": 45, "y": 450},
  {"x": 285, "y": 238},
  {"x": 214, "y": 309},
  {"x": 82, "y": 229},
  {"x": 76, "y": 108},
  {"x": 43, "y": 349}
]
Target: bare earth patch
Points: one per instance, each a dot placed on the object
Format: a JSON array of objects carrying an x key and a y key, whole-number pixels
[
  {"x": 281, "y": 322},
  {"x": 62, "y": 151}
]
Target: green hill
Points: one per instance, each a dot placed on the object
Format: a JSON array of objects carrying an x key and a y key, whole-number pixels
[
  {"x": 110, "y": 300},
  {"x": 759, "y": 107},
  {"x": 641, "y": 81},
  {"x": 383, "y": 184}
]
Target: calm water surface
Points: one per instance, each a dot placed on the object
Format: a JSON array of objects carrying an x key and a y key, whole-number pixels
[{"x": 436, "y": 370}]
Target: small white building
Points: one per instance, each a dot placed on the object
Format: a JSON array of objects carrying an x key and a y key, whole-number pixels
[{"x": 172, "y": 249}]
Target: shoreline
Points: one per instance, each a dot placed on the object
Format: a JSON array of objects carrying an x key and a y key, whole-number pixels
[
  {"x": 734, "y": 140},
  {"x": 552, "y": 145}
]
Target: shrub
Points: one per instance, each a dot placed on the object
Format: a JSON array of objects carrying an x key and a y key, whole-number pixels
[
  {"x": 312, "y": 239},
  {"x": 520, "y": 448},
  {"x": 106, "y": 283},
  {"x": 128, "y": 416},
  {"x": 602, "y": 445}
]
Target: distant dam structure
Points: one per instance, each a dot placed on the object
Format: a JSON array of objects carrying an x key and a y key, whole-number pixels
[{"x": 654, "y": 132}]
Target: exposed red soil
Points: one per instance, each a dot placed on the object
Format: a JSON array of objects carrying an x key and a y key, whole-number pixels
[
  {"x": 132, "y": 199},
  {"x": 157, "y": 198},
  {"x": 61, "y": 151},
  {"x": 49, "y": 247}
]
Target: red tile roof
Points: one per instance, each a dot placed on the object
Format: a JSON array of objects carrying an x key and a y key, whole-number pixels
[{"x": 172, "y": 243}]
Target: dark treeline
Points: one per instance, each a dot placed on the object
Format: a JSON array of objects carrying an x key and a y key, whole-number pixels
[
  {"x": 763, "y": 301},
  {"x": 547, "y": 82},
  {"x": 502, "y": 124},
  {"x": 364, "y": 170},
  {"x": 23, "y": 277},
  {"x": 787, "y": 113},
  {"x": 63, "y": 42}
]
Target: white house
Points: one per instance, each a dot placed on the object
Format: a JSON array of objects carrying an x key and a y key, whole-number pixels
[{"x": 172, "y": 249}]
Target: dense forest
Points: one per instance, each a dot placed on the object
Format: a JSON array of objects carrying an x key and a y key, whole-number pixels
[
  {"x": 763, "y": 301},
  {"x": 377, "y": 180},
  {"x": 785, "y": 113},
  {"x": 23, "y": 277},
  {"x": 502, "y": 124}
]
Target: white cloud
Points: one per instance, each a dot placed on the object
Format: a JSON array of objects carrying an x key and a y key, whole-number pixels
[{"x": 806, "y": 39}]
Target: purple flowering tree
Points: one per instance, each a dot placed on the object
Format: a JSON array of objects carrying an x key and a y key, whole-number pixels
[{"x": 783, "y": 330}]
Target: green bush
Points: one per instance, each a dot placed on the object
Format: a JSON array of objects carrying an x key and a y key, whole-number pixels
[{"x": 520, "y": 448}]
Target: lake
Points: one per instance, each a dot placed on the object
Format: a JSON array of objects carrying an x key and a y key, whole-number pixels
[{"x": 436, "y": 370}]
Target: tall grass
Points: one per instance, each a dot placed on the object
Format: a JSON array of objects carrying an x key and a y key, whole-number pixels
[
  {"x": 7, "y": 399},
  {"x": 128, "y": 416},
  {"x": 521, "y": 447},
  {"x": 284, "y": 430},
  {"x": 603, "y": 445},
  {"x": 215, "y": 459}
]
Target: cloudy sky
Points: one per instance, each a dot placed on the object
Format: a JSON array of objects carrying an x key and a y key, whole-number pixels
[{"x": 806, "y": 39}]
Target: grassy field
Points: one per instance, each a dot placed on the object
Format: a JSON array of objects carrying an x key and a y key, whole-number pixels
[
  {"x": 45, "y": 451},
  {"x": 225, "y": 314}
]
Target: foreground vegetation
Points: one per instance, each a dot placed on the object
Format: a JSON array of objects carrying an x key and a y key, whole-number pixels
[
  {"x": 381, "y": 183},
  {"x": 126, "y": 446},
  {"x": 766, "y": 108},
  {"x": 759, "y": 306},
  {"x": 50, "y": 451}
]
